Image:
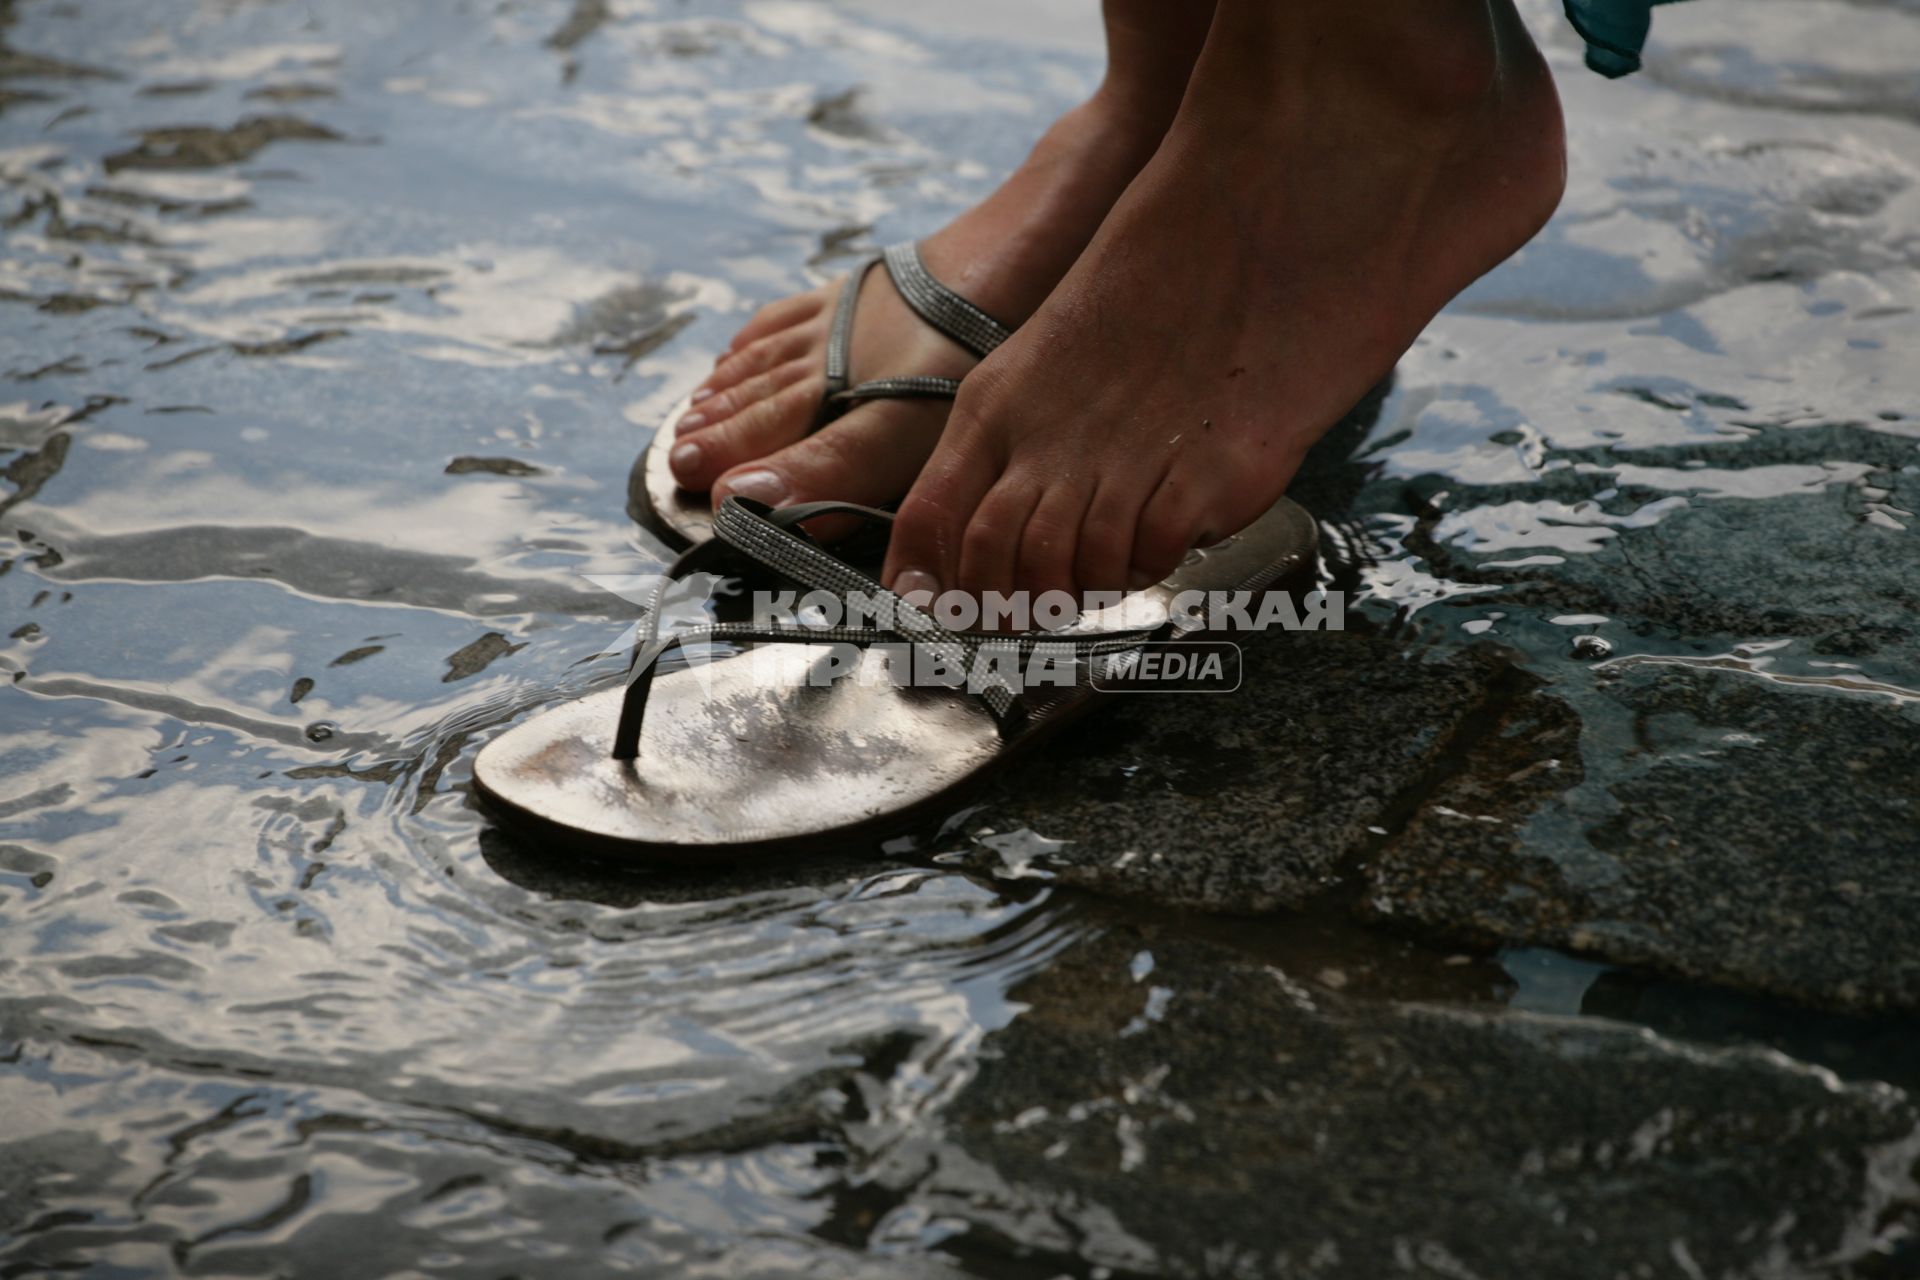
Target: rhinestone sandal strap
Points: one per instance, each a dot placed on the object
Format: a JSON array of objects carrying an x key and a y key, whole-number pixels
[{"x": 940, "y": 306}]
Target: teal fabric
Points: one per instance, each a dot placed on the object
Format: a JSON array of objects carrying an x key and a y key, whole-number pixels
[{"x": 1615, "y": 32}]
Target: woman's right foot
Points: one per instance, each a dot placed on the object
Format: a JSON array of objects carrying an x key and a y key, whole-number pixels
[
  {"x": 1337, "y": 174},
  {"x": 749, "y": 429}
]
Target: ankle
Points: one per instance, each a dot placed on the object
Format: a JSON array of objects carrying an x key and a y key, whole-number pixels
[
  {"x": 1116, "y": 126},
  {"x": 1441, "y": 57},
  {"x": 1422, "y": 60},
  {"x": 1007, "y": 253},
  {"x": 1152, "y": 46}
]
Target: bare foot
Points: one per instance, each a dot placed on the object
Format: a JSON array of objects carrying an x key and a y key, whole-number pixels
[
  {"x": 750, "y": 428},
  {"x": 1336, "y": 174}
]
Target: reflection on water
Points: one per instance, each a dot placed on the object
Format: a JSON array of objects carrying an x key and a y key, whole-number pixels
[{"x": 331, "y": 332}]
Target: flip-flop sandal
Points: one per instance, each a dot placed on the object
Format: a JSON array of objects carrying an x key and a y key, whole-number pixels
[
  {"x": 684, "y": 517},
  {"x": 743, "y": 755}
]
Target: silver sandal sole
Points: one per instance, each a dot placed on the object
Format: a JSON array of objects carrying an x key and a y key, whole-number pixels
[{"x": 733, "y": 757}]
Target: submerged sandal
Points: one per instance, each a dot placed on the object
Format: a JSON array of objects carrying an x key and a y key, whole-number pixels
[
  {"x": 684, "y": 517},
  {"x": 744, "y": 756}
]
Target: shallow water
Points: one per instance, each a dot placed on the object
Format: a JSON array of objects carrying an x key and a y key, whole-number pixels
[{"x": 330, "y": 334}]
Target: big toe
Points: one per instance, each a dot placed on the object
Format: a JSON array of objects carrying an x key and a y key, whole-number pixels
[
  {"x": 869, "y": 456},
  {"x": 929, "y": 535},
  {"x": 760, "y": 427}
]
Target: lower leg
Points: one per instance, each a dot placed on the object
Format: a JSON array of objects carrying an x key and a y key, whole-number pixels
[
  {"x": 1008, "y": 252},
  {"x": 1152, "y": 46}
]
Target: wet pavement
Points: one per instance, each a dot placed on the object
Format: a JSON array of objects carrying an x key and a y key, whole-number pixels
[{"x": 1454, "y": 945}]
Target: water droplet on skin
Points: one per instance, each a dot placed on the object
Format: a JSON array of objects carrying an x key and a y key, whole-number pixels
[
  {"x": 322, "y": 731},
  {"x": 1588, "y": 648}
]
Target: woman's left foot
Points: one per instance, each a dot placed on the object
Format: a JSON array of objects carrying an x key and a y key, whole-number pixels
[
  {"x": 1335, "y": 176},
  {"x": 751, "y": 425},
  {"x": 750, "y": 429}
]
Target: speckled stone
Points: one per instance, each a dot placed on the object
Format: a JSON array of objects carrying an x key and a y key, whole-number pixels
[
  {"x": 1213, "y": 1117},
  {"x": 1828, "y": 565},
  {"x": 1249, "y": 801},
  {"x": 1743, "y": 833},
  {"x": 1691, "y": 820}
]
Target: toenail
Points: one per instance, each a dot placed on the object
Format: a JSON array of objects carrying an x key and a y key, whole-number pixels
[
  {"x": 701, "y": 394},
  {"x": 761, "y": 486},
  {"x": 691, "y": 422},
  {"x": 913, "y": 581},
  {"x": 685, "y": 458}
]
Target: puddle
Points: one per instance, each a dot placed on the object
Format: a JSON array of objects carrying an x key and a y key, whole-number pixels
[{"x": 331, "y": 333}]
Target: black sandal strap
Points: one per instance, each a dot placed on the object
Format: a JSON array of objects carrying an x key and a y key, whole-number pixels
[
  {"x": 646, "y": 664},
  {"x": 771, "y": 539},
  {"x": 791, "y": 517},
  {"x": 633, "y": 708}
]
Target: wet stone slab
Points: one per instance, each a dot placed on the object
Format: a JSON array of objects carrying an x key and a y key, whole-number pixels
[
  {"x": 1247, "y": 802},
  {"x": 1700, "y": 817},
  {"x": 1744, "y": 833},
  {"x": 1826, "y": 554},
  {"x": 1285, "y": 1129}
]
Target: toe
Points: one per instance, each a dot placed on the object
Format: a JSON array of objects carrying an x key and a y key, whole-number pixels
[
  {"x": 709, "y": 411},
  {"x": 1049, "y": 544},
  {"x": 870, "y": 456},
  {"x": 775, "y": 316},
  {"x": 1104, "y": 552},
  {"x": 1166, "y": 530},
  {"x": 925, "y": 549},
  {"x": 990, "y": 542},
  {"x": 770, "y": 352},
  {"x": 755, "y": 431}
]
